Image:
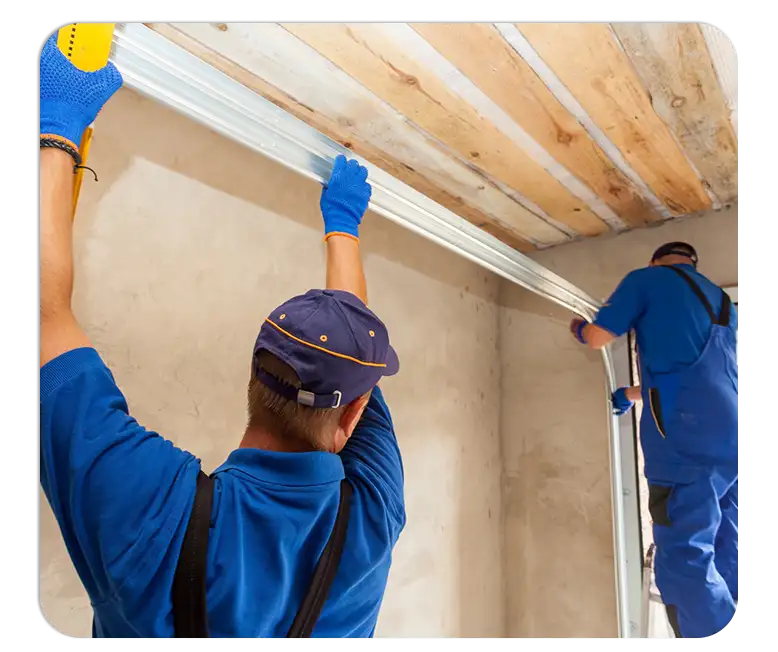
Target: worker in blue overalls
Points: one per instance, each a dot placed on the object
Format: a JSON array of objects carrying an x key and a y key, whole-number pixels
[{"x": 686, "y": 329}]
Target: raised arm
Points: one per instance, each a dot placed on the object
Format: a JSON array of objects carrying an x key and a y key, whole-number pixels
[
  {"x": 619, "y": 314},
  {"x": 343, "y": 204},
  {"x": 344, "y": 267},
  {"x": 371, "y": 457},
  {"x": 69, "y": 102},
  {"x": 59, "y": 330},
  {"x": 113, "y": 485}
]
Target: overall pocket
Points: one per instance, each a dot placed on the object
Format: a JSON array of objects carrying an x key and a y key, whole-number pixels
[
  {"x": 658, "y": 496},
  {"x": 705, "y": 424},
  {"x": 656, "y": 410}
]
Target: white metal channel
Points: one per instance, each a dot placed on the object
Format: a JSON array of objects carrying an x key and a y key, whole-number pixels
[
  {"x": 160, "y": 69},
  {"x": 629, "y": 502}
]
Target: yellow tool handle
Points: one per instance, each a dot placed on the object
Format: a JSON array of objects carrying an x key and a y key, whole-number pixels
[
  {"x": 86, "y": 140},
  {"x": 88, "y": 46}
]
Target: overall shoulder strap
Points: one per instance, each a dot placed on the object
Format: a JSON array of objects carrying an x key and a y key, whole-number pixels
[
  {"x": 325, "y": 571},
  {"x": 190, "y": 615},
  {"x": 696, "y": 289},
  {"x": 726, "y": 309}
]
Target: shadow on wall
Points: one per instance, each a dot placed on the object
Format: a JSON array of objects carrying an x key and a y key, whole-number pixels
[
  {"x": 187, "y": 148},
  {"x": 558, "y": 558},
  {"x": 171, "y": 290}
]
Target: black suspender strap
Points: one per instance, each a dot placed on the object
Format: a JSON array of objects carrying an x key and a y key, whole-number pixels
[
  {"x": 325, "y": 571},
  {"x": 190, "y": 614},
  {"x": 723, "y": 318},
  {"x": 726, "y": 309}
]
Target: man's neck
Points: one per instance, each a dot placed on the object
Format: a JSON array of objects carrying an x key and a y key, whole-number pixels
[{"x": 258, "y": 437}]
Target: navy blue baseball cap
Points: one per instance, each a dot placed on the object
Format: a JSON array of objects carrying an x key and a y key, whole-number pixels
[{"x": 337, "y": 346}]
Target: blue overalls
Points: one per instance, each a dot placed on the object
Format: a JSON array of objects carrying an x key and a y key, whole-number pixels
[{"x": 688, "y": 432}]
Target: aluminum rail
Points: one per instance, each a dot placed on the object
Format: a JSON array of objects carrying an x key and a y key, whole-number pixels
[{"x": 158, "y": 68}]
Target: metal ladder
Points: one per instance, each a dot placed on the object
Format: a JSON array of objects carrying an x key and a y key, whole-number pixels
[{"x": 655, "y": 623}]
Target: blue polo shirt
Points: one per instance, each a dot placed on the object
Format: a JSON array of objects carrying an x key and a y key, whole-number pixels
[
  {"x": 670, "y": 322},
  {"x": 122, "y": 497}
]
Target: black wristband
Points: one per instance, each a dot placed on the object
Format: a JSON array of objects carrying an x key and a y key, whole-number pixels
[{"x": 65, "y": 147}]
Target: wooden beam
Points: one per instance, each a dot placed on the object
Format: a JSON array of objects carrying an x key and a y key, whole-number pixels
[
  {"x": 673, "y": 61},
  {"x": 479, "y": 51},
  {"x": 589, "y": 60},
  {"x": 389, "y": 144},
  {"x": 369, "y": 56}
]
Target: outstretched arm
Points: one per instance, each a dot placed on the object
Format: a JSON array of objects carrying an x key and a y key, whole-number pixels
[
  {"x": 69, "y": 102},
  {"x": 371, "y": 458},
  {"x": 60, "y": 331},
  {"x": 595, "y": 337},
  {"x": 344, "y": 267},
  {"x": 343, "y": 204},
  {"x": 113, "y": 485},
  {"x": 621, "y": 313}
]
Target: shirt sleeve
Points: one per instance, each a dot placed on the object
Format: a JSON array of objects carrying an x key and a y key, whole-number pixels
[
  {"x": 624, "y": 307},
  {"x": 372, "y": 457},
  {"x": 118, "y": 491}
]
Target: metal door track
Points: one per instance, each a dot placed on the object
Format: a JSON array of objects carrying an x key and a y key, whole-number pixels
[{"x": 167, "y": 73}]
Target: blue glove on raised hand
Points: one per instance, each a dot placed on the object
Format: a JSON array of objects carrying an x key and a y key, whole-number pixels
[
  {"x": 345, "y": 198},
  {"x": 71, "y": 98},
  {"x": 621, "y": 404}
]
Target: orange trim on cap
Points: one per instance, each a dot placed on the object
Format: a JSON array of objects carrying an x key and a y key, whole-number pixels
[{"x": 321, "y": 348}]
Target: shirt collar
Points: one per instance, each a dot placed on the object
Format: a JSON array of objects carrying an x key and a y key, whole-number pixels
[{"x": 290, "y": 469}]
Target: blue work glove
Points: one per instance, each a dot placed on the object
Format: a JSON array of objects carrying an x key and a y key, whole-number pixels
[
  {"x": 621, "y": 404},
  {"x": 576, "y": 328},
  {"x": 345, "y": 198},
  {"x": 71, "y": 98}
]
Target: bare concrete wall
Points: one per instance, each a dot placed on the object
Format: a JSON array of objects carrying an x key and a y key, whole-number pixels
[
  {"x": 182, "y": 249},
  {"x": 558, "y": 543},
  {"x": 558, "y": 525}
]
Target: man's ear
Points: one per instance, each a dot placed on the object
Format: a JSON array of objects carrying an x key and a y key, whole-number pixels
[{"x": 352, "y": 414}]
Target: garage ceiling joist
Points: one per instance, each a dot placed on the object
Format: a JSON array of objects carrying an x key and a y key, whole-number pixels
[{"x": 536, "y": 133}]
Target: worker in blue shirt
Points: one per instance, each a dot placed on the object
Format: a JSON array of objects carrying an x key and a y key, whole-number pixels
[
  {"x": 293, "y": 534},
  {"x": 686, "y": 331}
]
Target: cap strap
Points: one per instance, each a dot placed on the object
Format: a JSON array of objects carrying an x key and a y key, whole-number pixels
[
  {"x": 683, "y": 252},
  {"x": 301, "y": 396},
  {"x": 679, "y": 249}
]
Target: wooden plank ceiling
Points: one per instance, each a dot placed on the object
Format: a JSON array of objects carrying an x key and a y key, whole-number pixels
[{"x": 538, "y": 133}]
